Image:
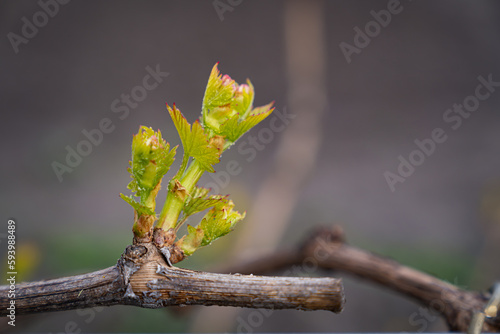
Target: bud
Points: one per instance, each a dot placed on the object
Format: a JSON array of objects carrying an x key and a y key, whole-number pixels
[
  {"x": 228, "y": 108},
  {"x": 151, "y": 160},
  {"x": 243, "y": 99}
]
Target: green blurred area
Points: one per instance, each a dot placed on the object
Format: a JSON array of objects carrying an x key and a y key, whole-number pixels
[{"x": 72, "y": 253}]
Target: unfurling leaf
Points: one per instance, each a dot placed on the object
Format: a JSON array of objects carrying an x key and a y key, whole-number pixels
[
  {"x": 151, "y": 159},
  {"x": 219, "y": 221},
  {"x": 218, "y": 98},
  {"x": 138, "y": 207},
  {"x": 199, "y": 201},
  {"x": 243, "y": 99},
  {"x": 191, "y": 241},
  {"x": 194, "y": 140},
  {"x": 227, "y": 108},
  {"x": 236, "y": 127}
]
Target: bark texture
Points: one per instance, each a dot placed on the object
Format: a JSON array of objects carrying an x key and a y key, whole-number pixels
[
  {"x": 100, "y": 288},
  {"x": 143, "y": 278},
  {"x": 327, "y": 247}
]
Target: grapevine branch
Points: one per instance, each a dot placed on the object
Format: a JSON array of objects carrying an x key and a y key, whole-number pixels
[
  {"x": 143, "y": 278},
  {"x": 330, "y": 251},
  {"x": 144, "y": 275}
]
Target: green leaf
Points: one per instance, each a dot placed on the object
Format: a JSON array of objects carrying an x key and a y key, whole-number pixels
[
  {"x": 219, "y": 222},
  {"x": 151, "y": 160},
  {"x": 218, "y": 98},
  {"x": 194, "y": 140},
  {"x": 243, "y": 99},
  {"x": 227, "y": 108},
  {"x": 191, "y": 241},
  {"x": 199, "y": 201},
  {"x": 138, "y": 207},
  {"x": 235, "y": 127}
]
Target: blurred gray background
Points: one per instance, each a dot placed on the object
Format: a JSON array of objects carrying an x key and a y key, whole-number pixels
[{"x": 352, "y": 122}]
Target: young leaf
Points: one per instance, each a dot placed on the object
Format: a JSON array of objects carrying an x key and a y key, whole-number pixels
[
  {"x": 235, "y": 127},
  {"x": 199, "y": 201},
  {"x": 144, "y": 217},
  {"x": 194, "y": 140},
  {"x": 218, "y": 98},
  {"x": 191, "y": 241},
  {"x": 138, "y": 207},
  {"x": 219, "y": 222},
  {"x": 243, "y": 99},
  {"x": 227, "y": 108},
  {"x": 151, "y": 159}
]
